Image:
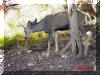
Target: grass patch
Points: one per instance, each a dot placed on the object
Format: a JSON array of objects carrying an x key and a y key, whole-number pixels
[
  {"x": 1, "y": 41},
  {"x": 14, "y": 42},
  {"x": 19, "y": 41}
]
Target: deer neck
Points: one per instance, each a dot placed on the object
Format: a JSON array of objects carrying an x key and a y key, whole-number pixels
[{"x": 38, "y": 27}]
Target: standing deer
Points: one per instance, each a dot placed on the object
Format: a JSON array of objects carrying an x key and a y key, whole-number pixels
[{"x": 49, "y": 24}]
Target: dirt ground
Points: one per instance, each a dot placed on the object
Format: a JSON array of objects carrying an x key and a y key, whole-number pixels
[
  {"x": 34, "y": 59},
  {"x": 1, "y": 61}
]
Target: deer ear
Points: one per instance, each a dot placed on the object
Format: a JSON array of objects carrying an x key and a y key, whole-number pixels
[
  {"x": 29, "y": 23},
  {"x": 35, "y": 21}
]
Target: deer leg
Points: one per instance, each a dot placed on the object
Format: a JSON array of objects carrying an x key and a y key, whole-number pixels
[
  {"x": 86, "y": 48},
  {"x": 56, "y": 40},
  {"x": 86, "y": 40},
  {"x": 49, "y": 43},
  {"x": 79, "y": 45},
  {"x": 87, "y": 43}
]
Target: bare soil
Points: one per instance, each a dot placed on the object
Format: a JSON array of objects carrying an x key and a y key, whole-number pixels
[
  {"x": 1, "y": 61},
  {"x": 34, "y": 59}
]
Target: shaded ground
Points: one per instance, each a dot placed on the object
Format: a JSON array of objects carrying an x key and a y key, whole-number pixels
[
  {"x": 1, "y": 61},
  {"x": 33, "y": 59}
]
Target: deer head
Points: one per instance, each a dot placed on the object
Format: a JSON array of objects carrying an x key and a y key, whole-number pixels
[{"x": 27, "y": 29}]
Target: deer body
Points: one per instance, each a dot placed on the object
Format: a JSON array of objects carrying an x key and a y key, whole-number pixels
[{"x": 49, "y": 24}]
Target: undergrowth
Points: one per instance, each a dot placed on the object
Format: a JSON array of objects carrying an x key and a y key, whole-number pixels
[
  {"x": 18, "y": 40},
  {"x": 1, "y": 41}
]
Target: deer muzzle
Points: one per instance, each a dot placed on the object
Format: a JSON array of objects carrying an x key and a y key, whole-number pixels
[{"x": 26, "y": 38}]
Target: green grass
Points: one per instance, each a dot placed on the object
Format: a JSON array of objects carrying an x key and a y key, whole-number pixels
[
  {"x": 1, "y": 41},
  {"x": 14, "y": 42},
  {"x": 18, "y": 40}
]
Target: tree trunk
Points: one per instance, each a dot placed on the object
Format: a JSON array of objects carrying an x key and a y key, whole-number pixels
[{"x": 74, "y": 30}]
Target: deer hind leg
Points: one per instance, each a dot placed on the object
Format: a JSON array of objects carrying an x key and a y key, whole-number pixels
[
  {"x": 83, "y": 33},
  {"x": 79, "y": 46},
  {"x": 87, "y": 43},
  {"x": 86, "y": 48},
  {"x": 86, "y": 38},
  {"x": 49, "y": 43},
  {"x": 56, "y": 40}
]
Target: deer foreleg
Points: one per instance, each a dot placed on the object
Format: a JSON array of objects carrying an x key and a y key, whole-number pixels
[
  {"x": 49, "y": 43},
  {"x": 85, "y": 39},
  {"x": 56, "y": 40}
]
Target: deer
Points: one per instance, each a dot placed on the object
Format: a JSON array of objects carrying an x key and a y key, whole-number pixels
[{"x": 49, "y": 24}]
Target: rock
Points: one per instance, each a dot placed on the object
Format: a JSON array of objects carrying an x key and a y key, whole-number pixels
[
  {"x": 19, "y": 53},
  {"x": 40, "y": 58},
  {"x": 60, "y": 66},
  {"x": 51, "y": 66},
  {"x": 12, "y": 55},
  {"x": 64, "y": 56},
  {"x": 1, "y": 56},
  {"x": 30, "y": 64},
  {"x": 1, "y": 60},
  {"x": 8, "y": 65},
  {"x": 43, "y": 53},
  {"x": 29, "y": 51}
]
